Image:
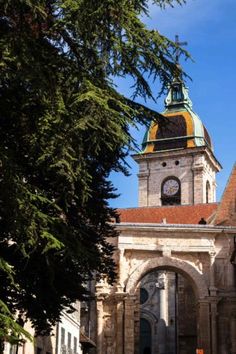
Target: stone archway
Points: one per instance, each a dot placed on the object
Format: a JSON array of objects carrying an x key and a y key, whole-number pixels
[
  {"x": 180, "y": 266},
  {"x": 198, "y": 284}
]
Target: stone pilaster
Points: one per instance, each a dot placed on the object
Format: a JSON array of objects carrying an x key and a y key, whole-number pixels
[
  {"x": 198, "y": 184},
  {"x": 223, "y": 335},
  {"x": 212, "y": 269},
  {"x": 129, "y": 325},
  {"x": 214, "y": 314},
  {"x": 213, "y": 303},
  {"x": 233, "y": 334},
  {"x": 231, "y": 276},
  {"x": 204, "y": 335},
  {"x": 143, "y": 189},
  {"x": 100, "y": 336},
  {"x": 120, "y": 323}
]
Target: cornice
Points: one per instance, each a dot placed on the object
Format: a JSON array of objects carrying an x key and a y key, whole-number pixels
[{"x": 210, "y": 229}]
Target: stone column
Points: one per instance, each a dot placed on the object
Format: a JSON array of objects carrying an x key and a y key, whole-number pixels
[
  {"x": 129, "y": 325},
  {"x": 109, "y": 332},
  {"x": 233, "y": 334},
  {"x": 214, "y": 314},
  {"x": 213, "y": 303},
  {"x": 161, "y": 285},
  {"x": 212, "y": 271},
  {"x": 120, "y": 324},
  {"x": 204, "y": 335},
  {"x": 231, "y": 276},
  {"x": 224, "y": 335},
  {"x": 100, "y": 325}
]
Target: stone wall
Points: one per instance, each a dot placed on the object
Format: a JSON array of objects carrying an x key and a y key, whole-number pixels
[
  {"x": 200, "y": 255},
  {"x": 193, "y": 167}
]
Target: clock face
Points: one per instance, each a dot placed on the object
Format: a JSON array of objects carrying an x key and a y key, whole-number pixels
[{"x": 170, "y": 187}]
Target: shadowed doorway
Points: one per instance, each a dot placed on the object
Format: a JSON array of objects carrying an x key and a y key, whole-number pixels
[
  {"x": 145, "y": 337},
  {"x": 168, "y": 322}
]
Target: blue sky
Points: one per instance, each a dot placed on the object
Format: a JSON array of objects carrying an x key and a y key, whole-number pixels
[{"x": 209, "y": 27}]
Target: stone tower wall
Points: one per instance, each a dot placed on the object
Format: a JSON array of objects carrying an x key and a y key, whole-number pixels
[{"x": 193, "y": 168}]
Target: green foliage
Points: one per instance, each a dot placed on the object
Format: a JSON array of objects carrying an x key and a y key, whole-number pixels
[
  {"x": 10, "y": 330},
  {"x": 63, "y": 129}
]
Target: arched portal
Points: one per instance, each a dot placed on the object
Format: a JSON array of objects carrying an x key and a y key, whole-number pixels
[
  {"x": 194, "y": 280},
  {"x": 168, "y": 298}
]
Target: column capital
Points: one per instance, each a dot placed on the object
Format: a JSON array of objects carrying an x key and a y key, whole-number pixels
[
  {"x": 129, "y": 300},
  {"x": 120, "y": 296},
  {"x": 214, "y": 299},
  {"x": 101, "y": 296},
  {"x": 204, "y": 301},
  {"x": 212, "y": 254},
  {"x": 213, "y": 291},
  {"x": 130, "y": 297}
]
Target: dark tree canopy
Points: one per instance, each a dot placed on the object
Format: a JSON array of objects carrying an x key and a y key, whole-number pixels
[{"x": 63, "y": 129}]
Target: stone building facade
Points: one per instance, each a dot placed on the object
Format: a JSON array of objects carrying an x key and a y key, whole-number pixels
[
  {"x": 175, "y": 253},
  {"x": 64, "y": 339}
]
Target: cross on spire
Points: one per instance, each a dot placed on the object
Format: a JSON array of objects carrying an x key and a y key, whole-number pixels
[{"x": 177, "y": 52}]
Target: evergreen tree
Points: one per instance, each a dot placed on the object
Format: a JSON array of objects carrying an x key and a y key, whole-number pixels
[{"x": 63, "y": 129}]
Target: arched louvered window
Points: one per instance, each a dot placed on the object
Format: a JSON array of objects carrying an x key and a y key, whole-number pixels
[{"x": 208, "y": 192}]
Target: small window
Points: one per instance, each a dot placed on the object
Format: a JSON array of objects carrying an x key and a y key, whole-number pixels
[
  {"x": 62, "y": 335},
  {"x": 75, "y": 345},
  {"x": 39, "y": 350},
  {"x": 69, "y": 340},
  {"x": 13, "y": 349}
]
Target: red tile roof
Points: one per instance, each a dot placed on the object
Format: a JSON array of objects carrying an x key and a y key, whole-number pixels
[
  {"x": 226, "y": 211},
  {"x": 182, "y": 214}
]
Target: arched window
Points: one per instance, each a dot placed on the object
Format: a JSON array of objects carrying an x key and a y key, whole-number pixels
[
  {"x": 177, "y": 95},
  {"x": 171, "y": 191},
  {"x": 208, "y": 191},
  {"x": 143, "y": 296}
]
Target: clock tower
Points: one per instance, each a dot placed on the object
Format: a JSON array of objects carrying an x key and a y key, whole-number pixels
[{"x": 177, "y": 165}]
